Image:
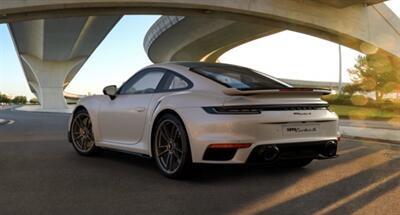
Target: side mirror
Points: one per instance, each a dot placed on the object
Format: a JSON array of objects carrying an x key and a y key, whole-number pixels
[{"x": 110, "y": 91}]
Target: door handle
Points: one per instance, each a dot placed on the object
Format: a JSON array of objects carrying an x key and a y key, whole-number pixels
[{"x": 139, "y": 109}]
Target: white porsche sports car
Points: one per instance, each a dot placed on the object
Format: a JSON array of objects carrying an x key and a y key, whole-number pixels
[{"x": 190, "y": 112}]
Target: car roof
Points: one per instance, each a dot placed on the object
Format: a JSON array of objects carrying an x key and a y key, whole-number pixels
[
  {"x": 193, "y": 65},
  {"x": 196, "y": 64}
]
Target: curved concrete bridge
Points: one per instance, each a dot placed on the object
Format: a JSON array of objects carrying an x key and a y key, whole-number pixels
[
  {"x": 371, "y": 29},
  {"x": 365, "y": 25}
]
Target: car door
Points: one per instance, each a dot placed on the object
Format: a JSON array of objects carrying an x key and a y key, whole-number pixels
[{"x": 122, "y": 120}]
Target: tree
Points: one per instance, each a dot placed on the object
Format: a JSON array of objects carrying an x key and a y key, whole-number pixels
[
  {"x": 374, "y": 73},
  {"x": 34, "y": 101},
  {"x": 21, "y": 100},
  {"x": 4, "y": 98},
  {"x": 350, "y": 89}
]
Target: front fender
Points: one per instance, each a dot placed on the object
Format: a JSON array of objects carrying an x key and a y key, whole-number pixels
[{"x": 91, "y": 104}]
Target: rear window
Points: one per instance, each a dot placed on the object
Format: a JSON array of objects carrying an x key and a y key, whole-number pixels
[{"x": 240, "y": 78}]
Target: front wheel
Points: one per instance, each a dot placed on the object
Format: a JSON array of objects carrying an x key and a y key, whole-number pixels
[
  {"x": 82, "y": 134},
  {"x": 171, "y": 147}
]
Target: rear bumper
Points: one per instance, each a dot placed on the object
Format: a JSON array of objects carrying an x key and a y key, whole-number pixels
[
  {"x": 271, "y": 153},
  {"x": 313, "y": 150},
  {"x": 260, "y": 130}
]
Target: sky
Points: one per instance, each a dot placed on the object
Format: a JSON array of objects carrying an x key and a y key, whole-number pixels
[
  {"x": 116, "y": 59},
  {"x": 284, "y": 55}
]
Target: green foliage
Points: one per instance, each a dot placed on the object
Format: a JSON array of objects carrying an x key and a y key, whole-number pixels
[
  {"x": 355, "y": 112},
  {"x": 21, "y": 100},
  {"x": 34, "y": 101},
  {"x": 339, "y": 99},
  {"x": 362, "y": 101},
  {"x": 4, "y": 98},
  {"x": 350, "y": 89},
  {"x": 374, "y": 73}
]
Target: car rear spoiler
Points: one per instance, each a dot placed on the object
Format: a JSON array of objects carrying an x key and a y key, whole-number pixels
[{"x": 313, "y": 91}]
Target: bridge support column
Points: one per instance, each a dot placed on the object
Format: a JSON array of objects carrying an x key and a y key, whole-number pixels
[{"x": 50, "y": 76}]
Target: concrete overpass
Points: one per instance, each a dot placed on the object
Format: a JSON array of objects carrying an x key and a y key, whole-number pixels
[
  {"x": 364, "y": 25},
  {"x": 368, "y": 29},
  {"x": 12, "y": 11},
  {"x": 72, "y": 98},
  {"x": 346, "y": 3},
  {"x": 52, "y": 51},
  {"x": 179, "y": 38}
]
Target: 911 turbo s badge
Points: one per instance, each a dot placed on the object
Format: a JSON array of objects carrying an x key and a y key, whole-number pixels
[
  {"x": 302, "y": 113},
  {"x": 301, "y": 130},
  {"x": 294, "y": 130}
]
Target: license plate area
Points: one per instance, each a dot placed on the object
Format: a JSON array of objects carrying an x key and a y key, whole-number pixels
[{"x": 294, "y": 130}]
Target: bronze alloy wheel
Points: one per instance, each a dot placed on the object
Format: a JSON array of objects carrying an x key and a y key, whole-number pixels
[
  {"x": 81, "y": 133},
  {"x": 171, "y": 147}
]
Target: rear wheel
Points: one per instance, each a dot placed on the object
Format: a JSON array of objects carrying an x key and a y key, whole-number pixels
[
  {"x": 171, "y": 148},
  {"x": 295, "y": 163},
  {"x": 82, "y": 134}
]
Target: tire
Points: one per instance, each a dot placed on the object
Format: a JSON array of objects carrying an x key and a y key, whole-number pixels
[
  {"x": 171, "y": 147},
  {"x": 82, "y": 137},
  {"x": 295, "y": 163}
]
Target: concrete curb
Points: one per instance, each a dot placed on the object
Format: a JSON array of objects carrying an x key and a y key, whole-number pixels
[
  {"x": 8, "y": 107},
  {"x": 371, "y": 139},
  {"x": 377, "y": 134},
  {"x": 47, "y": 112},
  {"x": 38, "y": 109}
]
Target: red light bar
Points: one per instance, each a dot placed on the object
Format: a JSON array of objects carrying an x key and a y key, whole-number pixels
[{"x": 229, "y": 145}]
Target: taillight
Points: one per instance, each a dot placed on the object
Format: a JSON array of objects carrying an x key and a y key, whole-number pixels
[
  {"x": 232, "y": 110},
  {"x": 257, "y": 109}
]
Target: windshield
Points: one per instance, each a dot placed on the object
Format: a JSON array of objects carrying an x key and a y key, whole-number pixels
[{"x": 239, "y": 78}]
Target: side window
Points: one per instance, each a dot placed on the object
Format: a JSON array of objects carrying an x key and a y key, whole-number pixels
[
  {"x": 147, "y": 83},
  {"x": 177, "y": 83}
]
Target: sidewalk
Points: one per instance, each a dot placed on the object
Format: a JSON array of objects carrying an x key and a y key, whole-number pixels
[
  {"x": 37, "y": 108},
  {"x": 5, "y": 107},
  {"x": 370, "y": 124},
  {"x": 372, "y": 130}
]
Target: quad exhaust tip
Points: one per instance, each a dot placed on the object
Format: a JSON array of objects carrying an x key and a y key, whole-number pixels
[
  {"x": 330, "y": 149},
  {"x": 271, "y": 153}
]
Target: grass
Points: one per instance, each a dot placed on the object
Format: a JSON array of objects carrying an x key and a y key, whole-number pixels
[{"x": 357, "y": 112}]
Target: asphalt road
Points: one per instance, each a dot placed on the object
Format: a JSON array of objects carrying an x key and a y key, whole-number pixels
[{"x": 40, "y": 173}]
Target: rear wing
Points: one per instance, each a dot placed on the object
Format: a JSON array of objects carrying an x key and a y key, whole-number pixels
[{"x": 312, "y": 91}]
